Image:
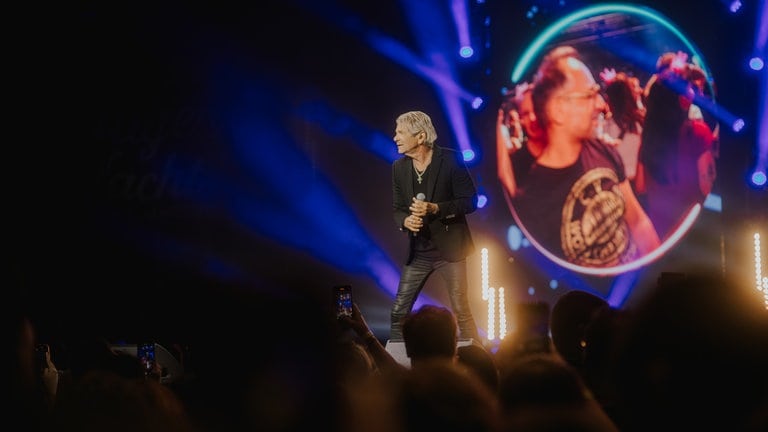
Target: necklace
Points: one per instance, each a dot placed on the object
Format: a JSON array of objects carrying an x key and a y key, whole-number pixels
[
  {"x": 418, "y": 173},
  {"x": 426, "y": 162}
]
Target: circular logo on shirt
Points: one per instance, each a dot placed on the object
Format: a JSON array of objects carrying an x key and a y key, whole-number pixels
[{"x": 594, "y": 232}]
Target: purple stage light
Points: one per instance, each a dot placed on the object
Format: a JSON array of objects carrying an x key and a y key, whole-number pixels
[{"x": 759, "y": 178}]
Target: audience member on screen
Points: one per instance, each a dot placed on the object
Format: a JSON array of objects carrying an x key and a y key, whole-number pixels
[
  {"x": 577, "y": 203},
  {"x": 677, "y": 151},
  {"x": 519, "y": 138}
]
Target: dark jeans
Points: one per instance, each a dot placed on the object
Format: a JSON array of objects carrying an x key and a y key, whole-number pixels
[{"x": 412, "y": 280}]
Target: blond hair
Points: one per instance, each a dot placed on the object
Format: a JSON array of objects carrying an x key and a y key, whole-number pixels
[{"x": 416, "y": 122}]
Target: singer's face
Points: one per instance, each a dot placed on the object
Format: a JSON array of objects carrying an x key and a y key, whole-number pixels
[{"x": 407, "y": 142}]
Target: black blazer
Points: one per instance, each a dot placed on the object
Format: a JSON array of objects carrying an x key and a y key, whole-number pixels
[{"x": 450, "y": 186}]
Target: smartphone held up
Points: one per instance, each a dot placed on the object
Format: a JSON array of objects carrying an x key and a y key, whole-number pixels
[
  {"x": 342, "y": 299},
  {"x": 41, "y": 356},
  {"x": 146, "y": 354}
]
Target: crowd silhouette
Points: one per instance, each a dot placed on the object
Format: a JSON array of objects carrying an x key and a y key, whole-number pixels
[{"x": 690, "y": 356}]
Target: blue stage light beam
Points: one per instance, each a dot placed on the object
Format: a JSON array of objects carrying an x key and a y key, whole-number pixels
[
  {"x": 434, "y": 64},
  {"x": 340, "y": 124},
  {"x": 437, "y": 42},
  {"x": 761, "y": 46},
  {"x": 284, "y": 197},
  {"x": 461, "y": 20}
]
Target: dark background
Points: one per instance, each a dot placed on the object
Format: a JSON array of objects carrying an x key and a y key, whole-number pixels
[{"x": 173, "y": 159}]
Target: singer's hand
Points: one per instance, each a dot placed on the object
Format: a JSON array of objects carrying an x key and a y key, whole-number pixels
[
  {"x": 419, "y": 208},
  {"x": 413, "y": 223}
]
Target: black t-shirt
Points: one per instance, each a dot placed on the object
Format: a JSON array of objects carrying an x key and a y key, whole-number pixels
[
  {"x": 522, "y": 162},
  {"x": 577, "y": 212},
  {"x": 423, "y": 237}
]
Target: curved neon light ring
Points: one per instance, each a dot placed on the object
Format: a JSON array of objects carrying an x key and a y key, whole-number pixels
[
  {"x": 687, "y": 222},
  {"x": 684, "y": 226},
  {"x": 540, "y": 42},
  {"x": 524, "y": 63}
]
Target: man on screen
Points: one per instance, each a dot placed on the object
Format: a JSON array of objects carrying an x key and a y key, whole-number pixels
[{"x": 577, "y": 202}]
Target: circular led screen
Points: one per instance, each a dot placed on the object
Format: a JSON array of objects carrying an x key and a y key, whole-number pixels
[{"x": 609, "y": 142}]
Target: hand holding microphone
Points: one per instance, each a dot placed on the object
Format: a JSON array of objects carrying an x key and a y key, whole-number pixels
[{"x": 418, "y": 209}]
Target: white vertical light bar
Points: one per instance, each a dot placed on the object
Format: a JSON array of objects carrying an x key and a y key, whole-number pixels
[
  {"x": 491, "y": 317},
  {"x": 758, "y": 262},
  {"x": 502, "y": 314},
  {"x": 761, "y": 282},
  {"x": 484, "y": 272},
  {"x": 765, "y": 291},
  {"x": 761, "y": 43}
]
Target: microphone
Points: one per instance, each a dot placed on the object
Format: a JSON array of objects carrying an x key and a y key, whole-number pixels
[{"x": 420, "y": 197}]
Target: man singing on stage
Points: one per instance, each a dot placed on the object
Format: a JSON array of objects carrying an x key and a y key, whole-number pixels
[{"x": 432, "y": 192}]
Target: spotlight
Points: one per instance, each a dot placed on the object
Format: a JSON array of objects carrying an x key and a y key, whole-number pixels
[
  {"x": 514, "y": 237},
  {"x": 738, "y": 125},
  {"x": 756, "y": 63},
  {"x": 759, "y": 178},
  {"x": 482, "y": 200},
  {"x": 477, "y": 102},
  {"x": 532, "y": 12},
  {"x": 735, "y": 6},
  {"x": 468, "y": 155},
  {"x": 466, "y": 51}
]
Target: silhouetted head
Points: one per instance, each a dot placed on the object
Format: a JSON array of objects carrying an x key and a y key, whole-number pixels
[
  {"x": 571, "y": 315},
  {"x": 431, "y": 331}
]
